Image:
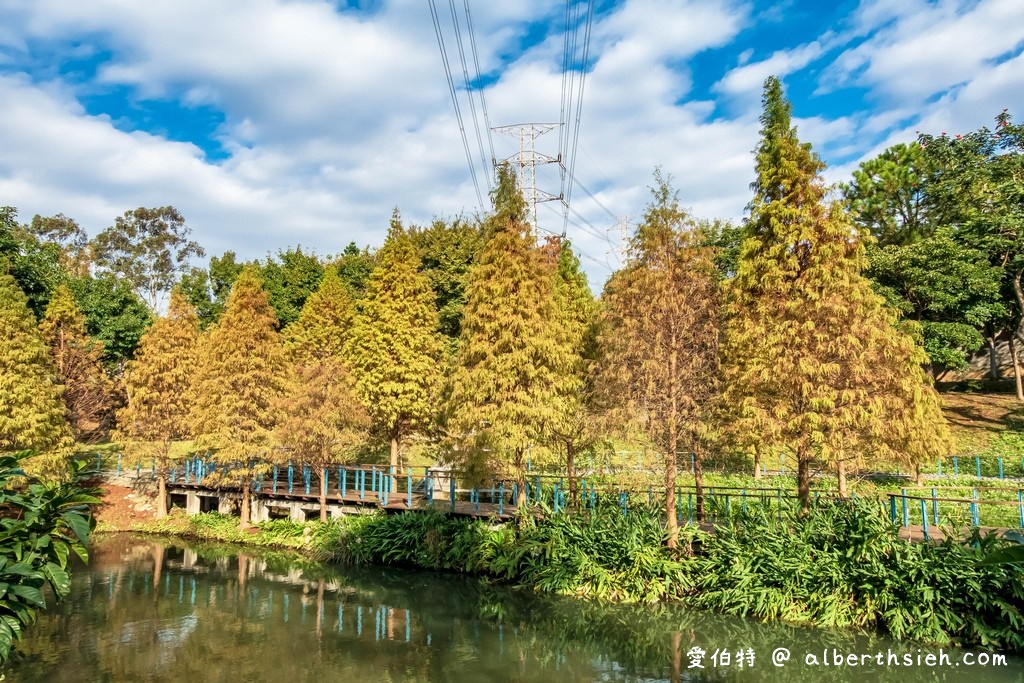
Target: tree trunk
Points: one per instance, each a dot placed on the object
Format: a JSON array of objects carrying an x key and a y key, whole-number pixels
[
  {"x": 757, "y": 464},
  {"x": 394, "y": 459},
  {"x": 918, "y": 476},
  {"x": 803, "y": 480},
  {"x": 671, "y": 522},
  {"x": 993, "y": 357},
  {"x": 161, "y": 496},
  {"x": 570, "y": 466},
  {"x": 698, "y": 484},
  {"x": 841, "y": 470},
  {"x": 520, "y": 481},
  {"x": 243, "y": 523},
  {"x": 323, "y": 494},
  {"x": 1016, "y": 369}
]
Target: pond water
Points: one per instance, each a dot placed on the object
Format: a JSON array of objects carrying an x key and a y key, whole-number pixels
[{"x": 166, "y": 611}]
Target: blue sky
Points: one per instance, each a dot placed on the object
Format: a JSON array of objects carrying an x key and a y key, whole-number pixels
[{"x": 271, "y": 123}]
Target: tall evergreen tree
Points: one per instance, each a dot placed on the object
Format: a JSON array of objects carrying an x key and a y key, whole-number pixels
[
  {"x": 508, "y": 379},
  {"x": 32, "y": 411},
  {"x": 577, "y": 427},
  {"x": 815, "y": 364},
  {"x": 322, "y": 418},
  {"x": 157, "y": 383},
  {"x": 661, "y": 335},
  {"x": 88, "y": 392},
  {"x": 241, "y": 374},
  {"x": 325, "y": 323},
  {"x": 395, "y": 348}
]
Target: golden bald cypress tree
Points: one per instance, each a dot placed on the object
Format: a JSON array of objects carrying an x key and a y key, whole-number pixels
[
  {"x": 396, "y": 350},
  {"x": 157, "y": 384},
  {"x": 32, "y": 411},
  {"x": 241, "y": 375},
  {"x": 510, "y": 372},
  {"x": 88, "y": 392},
  {"x": 814, "y": 364},
  {"x": 660, "y": 336},
  {"x": 325, "y": 323},
  {"x": 322, "y": 421}
]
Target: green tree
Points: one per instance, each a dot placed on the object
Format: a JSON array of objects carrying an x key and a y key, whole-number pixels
[
  {"x": 241, "y": 374},
  {"x": 814, "y": 363},
  {"x": 69, "y": 237},
  {"x": 661, "y": 337},
  {"x": 354, "y": 266},
  {"x": 207, "y": 289},
  {"x": 976, "y": 186},
  {"x": 922, "y": 267},
  {"x": 508, "y": 379},
  {"x": 156, "y": 419},
  {"x": 35, "y": 266},
  {"x": 32, "y": 411},
  {"x": 395, "y": 349},
  {"x": 147, "y": 247},
  {"x": 289, "y": 280},
  {"x": 88, "y": 392},
  {"x": 447, "y": 251},
  {"x": 114, "y": 314},
  {"x": 887, "y": 196}
]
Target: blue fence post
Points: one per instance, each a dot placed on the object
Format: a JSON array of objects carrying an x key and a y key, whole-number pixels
[
  {"x": 307, "y": 475},
  {"x": 361, "y": 476},
  {"x": 975, "y": 513},
  {"x": 186, "y": 471},
  {"x": 956, "y": 466},
  {"x": 1000, "y": 467},
  {"x": 906, "y": 519},
  {"x": 343, "y": 481},
  {"x": 291, "y": 477},
  {"x": 977, "y": 465},
  {"x": 451, "y": 487},
  {"x": 408, "y": 487},
  {"x": 892, "y": 507},
  {"x": 373, "y": 480},
  {"x": 476, "y": 499},
  {"x": 924, "y": 520},
  {"x": 428, "y": 485},
  {"x": 935, "y": 507},
  {"x": 1020, "y": 507},
  {"x": 174, "y": 477},
  {"x": 326, "y": 483},
  {"x": 744, "y": 502},
  {"x": 693, "y": 464},
  {"x": 623, "y": 503},
  {"x": 501, "y": 497}
]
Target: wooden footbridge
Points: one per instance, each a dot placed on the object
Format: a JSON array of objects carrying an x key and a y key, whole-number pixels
[{"x": 293, "y": 491}]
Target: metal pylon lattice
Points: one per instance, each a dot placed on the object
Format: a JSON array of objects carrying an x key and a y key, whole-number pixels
[{"x": 527, "y": 160}]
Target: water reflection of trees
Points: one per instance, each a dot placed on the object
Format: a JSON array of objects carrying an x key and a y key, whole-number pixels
[{"x": 155, "y": 612}]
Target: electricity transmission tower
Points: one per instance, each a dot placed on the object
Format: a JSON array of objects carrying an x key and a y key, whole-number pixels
[{"x": 527, "y": 160}]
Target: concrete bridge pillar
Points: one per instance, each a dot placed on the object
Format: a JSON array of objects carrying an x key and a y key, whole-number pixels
[{"x": 193, "y": 506}]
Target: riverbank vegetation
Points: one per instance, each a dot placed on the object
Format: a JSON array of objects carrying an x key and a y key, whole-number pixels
[
  {"x": 843, "y": 566},
  {"x": 41, "y": 526}
]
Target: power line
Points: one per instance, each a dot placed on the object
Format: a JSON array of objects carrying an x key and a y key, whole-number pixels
[
  {"x": 483, "y": 99},
  {"x": 469, "y": 91},
  {"x": 579, "y": 99},
  {"x": 455, "y": 101}
]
